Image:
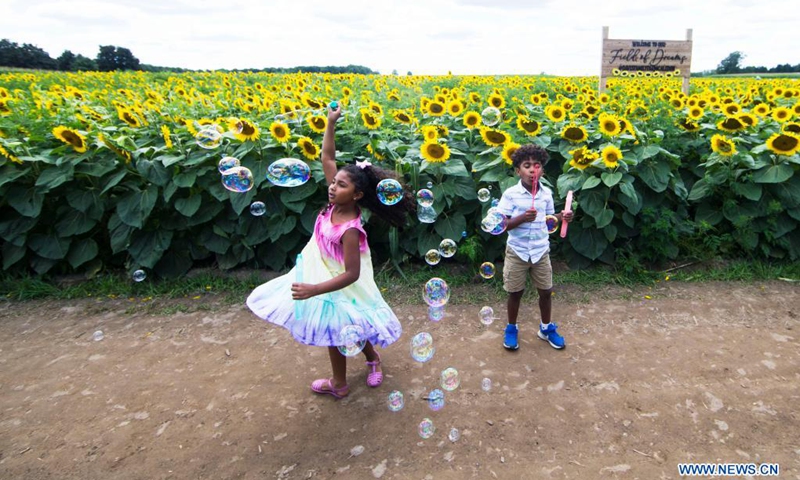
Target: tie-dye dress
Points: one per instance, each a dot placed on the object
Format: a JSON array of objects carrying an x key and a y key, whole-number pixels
[{"x": 321, "y": 318}]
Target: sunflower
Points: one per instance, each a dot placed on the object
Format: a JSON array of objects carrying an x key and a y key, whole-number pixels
[
  {"x": 124, "y": 154},
  {"x": 308, "y": 148},
  {"x": 784, "y": 143},
  {"x": 5, "y": 110},
  {"x": 555, "y": 113},
  {"x": 731, "y": 124},
  {"x": 731, "y": 109},
  {"x": 574, "y": 133},
  {"x": 611, "y": 156},
  {"x": 404, "y": 117},
  {"x": 796, "y": 108},
  {"x": 609, "y": 125},
  {"x": 249, "y": 131},
  {"x": 376, "y": 108},
  {"x": 442, "y": 130},
  {"x": 436, "y": 108},
  {"x": 688, "y": 125},
  {"x": 626, "y": 126},
  {"x": 748, "y": 119},
  {"x": 529, "y": 126},
  {"x": 590, "y": 110},
  {"x": 435, "y": 152},
  {"x": 375, "y": 154},
  {"x": 430, "y": 133},
  {"x": 494, "y": 137},
  {"x": 71, "y": 137},
  {"x": 472, "y": 119},
  {"x": 582, "y": 157},
  {"x": 496, "y": 100},
  {"x": 317, "y": 123},
  {"x": 696, "y": 113},
  {"x": 781, "y": 114},
  {"x": 474, "y": 97},
  {"x": 455, "y": 108},
  {"x": 676, "y": 103},
  {"x": 128, "y": 117},
  {"x": 792, "y": 127},
  {"x": 280, "y": 132},
  {"x": 723, "y": 145},
  {"x": 9, "y": 155},
  {"x": 370, "y": 119},
  {"x": 508, "y": 151},
  {"x": 166, "y": 134}
]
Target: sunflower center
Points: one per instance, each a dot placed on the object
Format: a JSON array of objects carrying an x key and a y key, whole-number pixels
[
  {"x": 609, "y": 126},
  {"x": 280, "y": 132},
  {"x": 436, "y": 108},
  {"x": 557, "y": 114},
  {"x": 403, "y": 118},
  {"x": 785, "y": 143},
  {"x": 573, "y": 133},
  {"x": 611, "y": 157},
  {"x": 435, "y": 150},
  {"x": 72, "y": 138},
  {"x": 496, "y": 137},
  {"x": 732, "y": 124},
  {"x": 370, "y": 119},
  {"x": 531, "y": 126},
  {"x": 724, "y": 146},
  {"x": 248, "y": 129},
  {"x": 309, "y": 148},
  {"x": 794, "y": 128},
  {"x": 318, "y": 122}
]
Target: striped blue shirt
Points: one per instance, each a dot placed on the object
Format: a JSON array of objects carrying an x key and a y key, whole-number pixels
[{"x": 530, "y": 240}]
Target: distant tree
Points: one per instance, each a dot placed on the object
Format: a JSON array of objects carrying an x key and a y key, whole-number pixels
[
  {"x": 394, "y": 72},
  {"x": 409, "y": 73},
  {"x": 25, "y": 56},
  {"x": 65, "y": 61},
  {"x": 731, "y": 63},
  {"x": 83, "y": 64},
  {"x": 112, "y": 58}
]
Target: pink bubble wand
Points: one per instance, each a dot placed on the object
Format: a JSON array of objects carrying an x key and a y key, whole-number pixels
[{"x": 567, "y": 209}]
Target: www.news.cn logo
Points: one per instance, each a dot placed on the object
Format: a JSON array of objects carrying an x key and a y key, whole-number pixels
[{"x": 729, "y": 469}]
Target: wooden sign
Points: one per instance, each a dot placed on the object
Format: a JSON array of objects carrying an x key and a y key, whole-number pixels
[{"x": 646, "y": 58}]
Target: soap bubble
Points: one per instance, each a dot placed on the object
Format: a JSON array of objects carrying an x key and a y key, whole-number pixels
[
  {"x": 491, "y": 220},
  {"x": 464, "y": 234},
  {"x": 257, "y": 209},
  {"x": 436, "y": 400},
  {"x": 226, "y": 163},
  {"x": 422, "y": 348},
  {"x": 351, "y": 340},
  {"x": 435, "y": 313},
  {"x": 237, "y": 126},
  {"x": 500, "y": 226},
  {"x": 491, "y": 116},
  {"x": 447, "y": 248},
  {"x": 425, "y": 197},
  {"x": 139, "y": 276},
  {"x": 98, "y": 335},
  {"x": 426, "y": 214},
  {"x": 426, "y": 428},
  {"x": 436, "y": 293},
  {"x": 450, "y": 379},
  {"x": 208, "y": 137},
  {"x": 429, "y": 185},
  {"x": 484, "y": 195},
  {"x": 552, "y": 223},
  {"x": 487, "y": 315},
  {"x": 495, "y": 201},
  {"x": 238, "y": 179},
  {"x": 395, "y": 401},
  {"x": 454, "y": 435},
  {"x": 389, "y": 191},
  {"x": 486, "y": 384},
  {"x": 486, "y": 270},
  {"x": 433, "y": 257},
  {"x": 288, "y": 172}
]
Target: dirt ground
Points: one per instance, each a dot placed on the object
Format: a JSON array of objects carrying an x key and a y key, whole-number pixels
[{"x": 696, "y": 373}]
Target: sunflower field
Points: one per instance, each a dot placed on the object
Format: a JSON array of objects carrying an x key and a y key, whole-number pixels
[{"x": 102, "y": 170}]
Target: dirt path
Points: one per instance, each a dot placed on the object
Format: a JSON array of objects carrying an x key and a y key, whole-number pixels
[{"x": 698, "y": 373}]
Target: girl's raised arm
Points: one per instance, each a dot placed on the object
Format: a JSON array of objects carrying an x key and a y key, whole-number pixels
[{"x": 329, "y": 145}]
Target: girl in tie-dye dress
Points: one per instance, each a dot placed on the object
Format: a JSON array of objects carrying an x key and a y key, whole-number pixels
[{"x": 337, "y": 288}]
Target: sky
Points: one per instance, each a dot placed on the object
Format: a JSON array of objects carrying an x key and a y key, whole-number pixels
[{"x": 425, "y": 37}]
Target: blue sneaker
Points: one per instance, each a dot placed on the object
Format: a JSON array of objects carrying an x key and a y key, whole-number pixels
[
  {"x": 552, "y": 337},
  {"x": 510, "y": 341}
]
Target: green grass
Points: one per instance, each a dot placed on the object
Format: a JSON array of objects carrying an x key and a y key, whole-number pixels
[{"x": 467, "y": 286}]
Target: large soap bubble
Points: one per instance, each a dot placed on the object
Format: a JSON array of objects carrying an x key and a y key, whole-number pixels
[
  {"x": 484, "y": 195},
  {"x": 226, "y": 163},
  {"x": 447, "y": 248},
  {"x": 389, "y": 191},
  {"x": 433, "y": 257},
  {"x": 425, "y": 197},
  {"x": 208, "y": 137},
  {"x": 288, "y": 172},
  {"x": 436, "y": 293},
  {"x": 422, "y": 348},
  {"x": 238, "y": 179},
  {"x": 351, "y": 340},
  {"x": 426, "y": 214},
  {"x": 491, "y": 116}
]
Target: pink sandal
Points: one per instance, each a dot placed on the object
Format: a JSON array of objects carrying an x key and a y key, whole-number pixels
[
  {"x": 324, "y": 386},
  {"x": 374, "y": 378}
]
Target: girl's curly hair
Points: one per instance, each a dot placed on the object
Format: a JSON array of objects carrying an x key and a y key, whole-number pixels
[{"x": 366, "y": 181}]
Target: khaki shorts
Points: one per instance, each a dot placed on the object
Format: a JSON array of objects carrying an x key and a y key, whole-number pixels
[{"x": 515, "y": 272}]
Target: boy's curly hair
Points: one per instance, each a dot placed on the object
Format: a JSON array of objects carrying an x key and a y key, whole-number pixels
[{"x": 529, "y": 152}]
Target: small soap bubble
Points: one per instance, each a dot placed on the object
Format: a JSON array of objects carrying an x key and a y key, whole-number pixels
[
  {"x": 238, "y": 179},
  {"x": 464, "y": 234},
  {"x": 433, "y": 257},
  {"x": 436, "y": 400},
  {"x": 486, "y": 384},
  {"x": 454, "y": 435},
  {"x": 226, "y": 163},
  {"x": 351, "y": 340},
  {"x": 97, "y": 336},
  {"x": 257, "y": 209},
  {"x": 487, "y": 315},
  {"x": 552, "y": 223},
  {"x": 422, "y": 348},
  {"x": 489, "y": 187},
  {"x": 491, "y": 116},
  {"x": 435, "y": 313},
  {"x": 395, "y": 401},
  {"x": 486, "y": 270},
  {"x": 484, "y": 195},
  {"x": 139, "y": 276},
  {"x": 429, "y": 185},
  {"x": 426, "y": 214},
  {"x": 425, "y": 197},
  {"x": 450, "y": 379},
  {"x": 389, "y": 191},
  {"x": 288, "y": 172},
  {"x": 447, "y": 248},
  {"x": 426, "y": 428},
  {"x": 436, "y": 293},
  {"x": 208, "y": 137}
]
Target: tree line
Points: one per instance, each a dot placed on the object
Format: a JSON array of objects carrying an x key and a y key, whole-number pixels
[
  {"x": 732, "y": 64},
  {"x": 112, "y": 58}
]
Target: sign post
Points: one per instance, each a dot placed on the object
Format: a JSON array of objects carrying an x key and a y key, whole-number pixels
[{"x": 646, "y": 58}]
